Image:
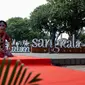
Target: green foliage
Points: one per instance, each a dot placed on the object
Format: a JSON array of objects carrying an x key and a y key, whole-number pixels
[
  {"x": 55, "y": 16},
  {"x": 18, "y": 73},
  {"x": 39, "y": 20},
  {"x": 35, "y": 79},
  {"x": 6, "y": 73},
  {"x": 69, "y": 14},
  {"x": 2, "y": 66},
  {"x": 39, "y": 17},
  {"x": 13, "y": 72},
  {"x": 18, "y": 28},
  {"x": 82, "y": 38}
]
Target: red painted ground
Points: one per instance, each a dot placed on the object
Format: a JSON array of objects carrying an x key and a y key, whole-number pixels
[{"x": 51, "y": 75}]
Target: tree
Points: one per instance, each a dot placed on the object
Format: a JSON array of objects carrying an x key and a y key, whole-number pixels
[
  {"x": 41, "y": 20},
  {"x": 71, "y": 14},
  {"x": 18, "y": 28},
  {"x": 39, "y": 17},
  {"x": 82, "y": 38}
]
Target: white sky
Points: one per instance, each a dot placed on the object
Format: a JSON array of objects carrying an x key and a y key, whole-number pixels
[
  {"x": 18, "y": 8},
  {"x": 63, "y": 35}
]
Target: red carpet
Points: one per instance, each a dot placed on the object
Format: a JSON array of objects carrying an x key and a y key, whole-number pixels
[
  {"x": 30, "y": 60},
  {"x": 51, "y": 75}
]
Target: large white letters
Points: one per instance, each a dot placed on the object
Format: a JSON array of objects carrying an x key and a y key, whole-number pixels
[{"x": 34, "y": 42}]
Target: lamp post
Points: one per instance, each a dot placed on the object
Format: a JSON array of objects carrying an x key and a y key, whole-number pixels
[{"x": 50, "y": 24}]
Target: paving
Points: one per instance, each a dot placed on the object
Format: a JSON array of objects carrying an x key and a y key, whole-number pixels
[
  {"x": 53, "y": 55},
  {"x": 58, "y": 56}
]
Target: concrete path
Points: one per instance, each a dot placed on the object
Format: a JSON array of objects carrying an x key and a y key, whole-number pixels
[
  {"x": 58, "y": 56},
  {"x": 53, "y": 56}
]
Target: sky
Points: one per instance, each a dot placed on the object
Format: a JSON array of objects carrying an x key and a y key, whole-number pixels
[{"x": 18, "y": 8}]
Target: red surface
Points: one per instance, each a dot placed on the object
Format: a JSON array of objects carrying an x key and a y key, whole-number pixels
[
  {"x": 30, "y": 60},
  {"x": 51, "y": 75},
  {"x": 59, "y": 76}
]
